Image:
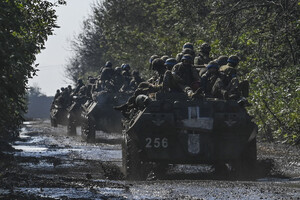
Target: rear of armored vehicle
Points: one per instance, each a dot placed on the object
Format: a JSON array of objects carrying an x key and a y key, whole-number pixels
[
  {"x": 58, "y": 115},
  {"x": 191, "y": 132},
  {"x": 100, "y": 115}
]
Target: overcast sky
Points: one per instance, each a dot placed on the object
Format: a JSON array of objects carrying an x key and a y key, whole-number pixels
[{"x": 53, "y": 59}]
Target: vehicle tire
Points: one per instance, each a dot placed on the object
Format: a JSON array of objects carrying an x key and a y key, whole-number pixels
[
  {"x": 53, "y": 122},
  {"x": 133, "y": 167},
  {"x": 71, "y": 126},
  {"x": 220, "y": 168},
  {"x": 246, "y": 165},
  {"x": 88, "y": 132},
  {"x": 160, "y": 170}
]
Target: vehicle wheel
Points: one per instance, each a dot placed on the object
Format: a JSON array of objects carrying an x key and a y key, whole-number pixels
[
  {"x": 133, "y": 167},
  {"x": 53, "y": 122},
  {"x": 160, "y": 169},
  {"x": 88, "y": 132},
  {"x": 71, "y": 126},
  {"x": 247, "y": 163},
  {"x": 220, "y": 168}
]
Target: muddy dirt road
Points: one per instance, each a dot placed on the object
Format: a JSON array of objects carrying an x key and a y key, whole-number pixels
[{"x": 50, "y": 165}]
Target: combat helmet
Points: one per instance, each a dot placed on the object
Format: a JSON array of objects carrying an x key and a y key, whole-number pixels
[
  {"x": 188, "y": 51},
  {"x": 170, "y": 62},
  {"x": 233, "y": 60},
  {"x": 205, "y": 47},
  {"x": 118, "y": 69},
  {"x": 158, "y": 64},
  {"x": 126, "y": 67},
  {"x": 187, "y": 57},
  {"x": 153, "y": 57},
  {"x": 164, "y": 58},
  {"x": 188, "y": 45},
  {"x": 108, "y": 64},
  {"x": 222, "y": 60},
  {"x": 213, "y": 64}
]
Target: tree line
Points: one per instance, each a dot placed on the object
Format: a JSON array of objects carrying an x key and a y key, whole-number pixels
[
  {"x": 24, "y": 28},
  {"x": 263, "y": 33}
]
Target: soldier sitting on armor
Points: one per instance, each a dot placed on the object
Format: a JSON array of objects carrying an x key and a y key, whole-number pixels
[
  {"x": 126, "y": 76},
  {"x": 62, "y": 100},
  {"x": 136, "y": 80},
  {"x": 153, "y": 57},
  {"x": 211, "y": 83},
  {"x": 144, "y": 88},
  {"x": 221, "y": 60},
  {"x": 57, "y": 95},
  {"x": 118, "y": 79},
  {"x": 106, "y": 77},
  {"x": 184, "y": 75},
  {"x": 203, "y": 56},
  {"x": 78, "y": 86},
  {"x": 230, "y": 79}
]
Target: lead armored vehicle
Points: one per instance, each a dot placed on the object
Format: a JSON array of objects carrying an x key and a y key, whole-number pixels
[
  {"x": 172, "y": 129},
  {"x": 98, "y": 114}
]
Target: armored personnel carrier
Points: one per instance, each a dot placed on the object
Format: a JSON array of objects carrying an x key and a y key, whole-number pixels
[
  {"x": 58, "y": 115},
  {"x": 98, "y": 114},
  {"x": 74, "y": 116},
  {"x": 173, "y": 129}
]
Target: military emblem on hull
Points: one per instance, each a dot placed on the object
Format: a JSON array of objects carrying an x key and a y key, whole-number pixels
[
  {"x": 158, "y": 122},
  {"x": 230, "y": 122},
  {"x": 194, "y": 143}
]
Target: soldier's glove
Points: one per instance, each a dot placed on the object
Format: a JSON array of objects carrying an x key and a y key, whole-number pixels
[
  {"x": 198, "y": 94},
  {"x": 188, "y": 91}
]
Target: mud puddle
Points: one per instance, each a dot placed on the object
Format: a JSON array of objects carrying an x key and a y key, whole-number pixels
[{"x": 48, "y": 164}]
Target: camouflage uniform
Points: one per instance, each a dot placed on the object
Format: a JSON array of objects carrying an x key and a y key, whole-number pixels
[
  {"x": 78, "y": 86},
  {"x": 126, "y": 77},
  {"x": 211, "y": 82},
  {"x": 158, "y": 66},
  {"x": 229, "y": 71},
  {"x": 229, "y": 76},
  {"x": 118, "y": 79},
  {"x": 136, "y": 80},
  {"x": 184, "y": 74},
  {"x": 203, "y": 58}
]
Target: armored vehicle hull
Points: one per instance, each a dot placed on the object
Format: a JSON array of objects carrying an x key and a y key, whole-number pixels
[
  {"x": 58, "y": 115},
  {"x": 174, "y": 129},
  {"x": 99, "y": 115},
  {"x": 74, "y": 117}
]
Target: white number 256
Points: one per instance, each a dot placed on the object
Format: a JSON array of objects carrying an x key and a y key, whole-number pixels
[{"x": 156, "y": 142}]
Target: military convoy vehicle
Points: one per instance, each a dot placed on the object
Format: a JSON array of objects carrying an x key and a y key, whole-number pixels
[
  {"x": 58, "y": 115},
  {"x": 173, "y": 129},
  {"x": 74, "y": 117},
  {"x": 99, "y": 114}
]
